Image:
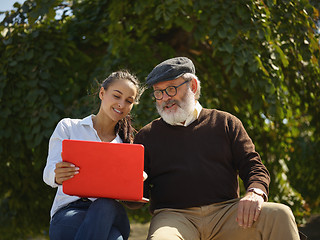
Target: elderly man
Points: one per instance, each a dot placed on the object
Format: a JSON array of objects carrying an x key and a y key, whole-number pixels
[{"x": 193, "y": 157}]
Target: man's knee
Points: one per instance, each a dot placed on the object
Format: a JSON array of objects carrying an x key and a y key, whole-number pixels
[
  {"x": 277, "y": 211},
  {"x": 164, "y": 233},
  {"x": 163, "y": 227},
  {"x": 171, "y": 225}
]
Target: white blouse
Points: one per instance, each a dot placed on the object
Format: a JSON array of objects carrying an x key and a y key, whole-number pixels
[{"x": 76, "y": 129}]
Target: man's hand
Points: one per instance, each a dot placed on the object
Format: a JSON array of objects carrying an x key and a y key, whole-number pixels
[
  {"x": 249, "y": 209},
  {"x": 65, "y": 171}
]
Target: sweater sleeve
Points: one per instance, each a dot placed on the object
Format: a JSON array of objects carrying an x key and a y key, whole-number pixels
[
  {"x": 139, "y": 139},
  {"x": 248, "y": 162}
]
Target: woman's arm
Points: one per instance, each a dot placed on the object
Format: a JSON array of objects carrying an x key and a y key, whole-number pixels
[{"x": 56, "y": 171}]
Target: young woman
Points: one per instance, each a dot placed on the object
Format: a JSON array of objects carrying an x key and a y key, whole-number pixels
[{"x": 73, "y": 217}]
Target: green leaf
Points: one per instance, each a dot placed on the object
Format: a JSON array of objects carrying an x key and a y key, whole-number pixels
[
  {"x": 44, "y": 75},
  {"x": 29, "y": 54},
  {"x": 13, "y": 63},
  {"x": 238, "y": 70},
  {"x": 222, "y": 33},
  {"x": 233, "y": 82},
  {"x": 283, "y": 57},
  {"x": 228, "y": 47},
  {"x": 214, "y": 20},
  {"x": 261, "y": 66}
]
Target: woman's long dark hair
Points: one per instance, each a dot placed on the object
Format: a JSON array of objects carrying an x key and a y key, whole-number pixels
[{"x": 124, "y": 127}]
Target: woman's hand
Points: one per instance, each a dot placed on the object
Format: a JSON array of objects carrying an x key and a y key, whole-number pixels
[
  {"x": 145, "y": 175},
  {"x": 65, "y": 171}
]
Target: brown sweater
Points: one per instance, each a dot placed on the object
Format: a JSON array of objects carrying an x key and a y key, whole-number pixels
[{"x": 199, "y": 164}]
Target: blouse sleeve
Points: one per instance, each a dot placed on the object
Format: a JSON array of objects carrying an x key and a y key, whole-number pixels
[{"x": 60, "y": 133}]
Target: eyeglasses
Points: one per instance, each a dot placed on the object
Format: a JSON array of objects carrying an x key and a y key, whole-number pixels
[{"x": 171, "y": 91}]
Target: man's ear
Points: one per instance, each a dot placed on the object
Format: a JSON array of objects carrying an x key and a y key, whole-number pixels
[{"x": 194, "y": 85}]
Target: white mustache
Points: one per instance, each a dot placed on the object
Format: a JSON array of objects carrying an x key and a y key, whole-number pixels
[{"x": 170, "y": 102}]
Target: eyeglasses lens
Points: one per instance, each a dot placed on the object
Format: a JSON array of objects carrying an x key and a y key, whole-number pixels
[{"x": 171, "y": 91}]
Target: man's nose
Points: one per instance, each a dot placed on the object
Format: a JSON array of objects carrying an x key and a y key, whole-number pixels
[{"x": 165, "y": 96}]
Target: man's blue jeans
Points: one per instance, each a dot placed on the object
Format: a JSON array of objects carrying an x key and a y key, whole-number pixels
[{"x": 104, "y": 219}]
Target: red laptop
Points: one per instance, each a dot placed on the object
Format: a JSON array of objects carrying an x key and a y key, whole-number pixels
[{"x": 109, "y": 170}]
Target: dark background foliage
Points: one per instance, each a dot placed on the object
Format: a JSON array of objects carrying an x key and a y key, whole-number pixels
[{"x": 258, "y": 60}]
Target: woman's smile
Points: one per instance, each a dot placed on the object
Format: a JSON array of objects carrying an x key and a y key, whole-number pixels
[{"x": 117, "y": 111}]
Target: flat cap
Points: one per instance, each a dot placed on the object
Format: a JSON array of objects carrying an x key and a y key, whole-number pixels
[{"x": 170, "y": 69}]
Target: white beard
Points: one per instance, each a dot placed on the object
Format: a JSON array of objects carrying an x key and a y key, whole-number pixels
[{"x": 185, "y": 109}]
